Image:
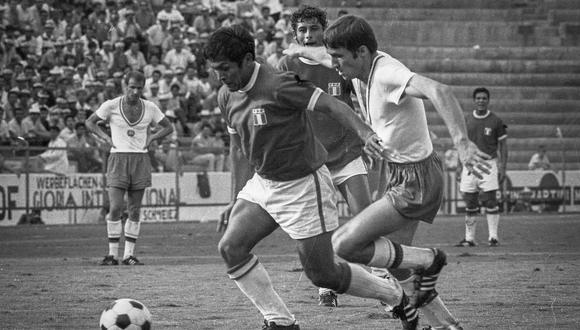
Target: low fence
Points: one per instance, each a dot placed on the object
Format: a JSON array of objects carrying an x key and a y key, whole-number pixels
[{"x": 77, "y": 198}]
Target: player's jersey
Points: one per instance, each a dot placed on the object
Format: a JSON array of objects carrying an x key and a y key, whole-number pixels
[
  {"x": 399, "y": 121},
  {"x": 343, "y": 144},
  {"x": 269, "y": 115},
  {"x": 128, "y": 136},
  {"x": 486, "y": 131}
]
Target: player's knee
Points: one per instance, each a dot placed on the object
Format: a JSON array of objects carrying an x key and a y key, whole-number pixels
[
  {"x": 342, "y": 245},
  {"x": 232, "y": 251}
]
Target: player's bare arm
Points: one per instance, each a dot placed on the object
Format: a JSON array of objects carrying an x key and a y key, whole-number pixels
[
  {"x": 317, "y": 54},
  {"x": 92, "y": 127},
  {"x": 502, "y": 161},
  {"x": 344, "y": 115},
  {"x": 241, "y": 173},
  {"x": 449, "y": 109},
  {"x": 166, "y": 129}
]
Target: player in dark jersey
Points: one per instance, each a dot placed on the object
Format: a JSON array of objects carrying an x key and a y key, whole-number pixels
[
  {"x": 291, "y": 188},
  {"x": 344, "y": 147},
  {"x": 489, "y": 134}
]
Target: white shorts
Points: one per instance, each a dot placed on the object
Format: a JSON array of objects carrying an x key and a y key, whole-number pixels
[
  {"x": 355, "y": 167},
  {"x": 303, "y": 208},
  {"x": 471, "y": 184}
]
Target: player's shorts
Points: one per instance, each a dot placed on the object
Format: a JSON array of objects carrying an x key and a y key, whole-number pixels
[
  {"x": 356, "y": 167},
  {"x": 129, "y": 171},
  {"x": 303, "y": 208},
  {"x": 415, "y": 189},
  {"x": 471, "y": 184}
]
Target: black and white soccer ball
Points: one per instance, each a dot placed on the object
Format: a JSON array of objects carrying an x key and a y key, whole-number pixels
[{"x": 127, "y": 314}]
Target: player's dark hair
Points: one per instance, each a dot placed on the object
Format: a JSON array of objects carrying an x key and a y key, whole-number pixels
[
  {"x": 230, "y": 44},
  {"x": 137, "y": 76},
  {"x": 307, "y": 12},
  {"x": 480, "y": 90},
  {"x": 79, "y": 124},
  {"x": 350, "y": 32}
]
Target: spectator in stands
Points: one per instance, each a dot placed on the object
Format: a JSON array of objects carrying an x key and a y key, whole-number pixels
[
  {"x": 203, "y": 152},
  {"x": 170, "y": 13},
  {"x": 33, "y": 129},
  {"x": 84, "y": 150},
  {"x": 539, "y": 160},
  {"x": 204, "y": 23},
  {"x": 178, "y": 56},
  {"x": 4, "y": 131},
  {"x": 11, "y": 103},
  {"x": 129, "y": 28},
  {"x": 154, "y": 64},
  {"x": 274, "y": 58},
  {"x": 15, "y": 124},
  {"x": 120, "y": 61},
  {"x": 135, "y": 58},
  {"x": 265, "y": 22},
  {"x": 68, "y": 132},
  {"x": 55, "y": 160},
  {"x": 284, "y": 24}
]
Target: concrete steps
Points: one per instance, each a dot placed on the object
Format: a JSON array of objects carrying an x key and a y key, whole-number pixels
[
  {"x": 569, "y": 107},
  {"x": 466, "y": 33},
  {"x": 542, "y": 53},
  {"x": 429, "y": 14},
  {"x": 508, "y": 79},
  {"x": 503, "y": 66},
  {"x": 521, "y": 118},
  {"x": 523, "y": 131},
  {"x": 523, "y": 92}
]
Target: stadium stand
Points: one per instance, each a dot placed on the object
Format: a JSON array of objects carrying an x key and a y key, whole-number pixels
[{"x": 525, "y": 51}]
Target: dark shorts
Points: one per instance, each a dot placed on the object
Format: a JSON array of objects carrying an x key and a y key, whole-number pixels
[
  {"x": 129, "y": 171},
  {"x": 415, "y": 189}
]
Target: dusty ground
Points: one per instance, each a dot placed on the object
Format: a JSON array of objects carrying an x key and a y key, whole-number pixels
[{"x": 49, "y": 278}]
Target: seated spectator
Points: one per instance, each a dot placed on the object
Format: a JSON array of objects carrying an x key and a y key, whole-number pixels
[
  {"x": 54, "y": 160},
  {"x": 68, "y": 132},
  {"x": 4, "y": 131},
  {"x": 135, "y": 58},
  {"x": 178, "y": 56},
  {"x": 153, "y": 65},
  {"x": 32, "y": 128},
  {"x": 204, "y": 22},
  {"x": 84, "y": 150},
  {"x": 206, "y": 151},
  {"x": 539, "y": 160}
]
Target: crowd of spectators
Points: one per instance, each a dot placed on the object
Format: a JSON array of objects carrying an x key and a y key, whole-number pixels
[{"x": 59, "y": 60}]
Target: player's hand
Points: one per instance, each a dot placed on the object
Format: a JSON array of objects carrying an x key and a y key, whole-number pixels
[
  {"x": 473, "y": 159},
  {"x": 225, "y": 217},
  {"x": 373, "y": 146}
]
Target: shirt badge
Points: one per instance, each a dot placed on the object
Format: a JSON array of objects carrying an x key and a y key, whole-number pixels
[
  {"x": 259, "y": 115},
  {"x": 487, "y": 131},
  {"x": 334, "y": 89}
]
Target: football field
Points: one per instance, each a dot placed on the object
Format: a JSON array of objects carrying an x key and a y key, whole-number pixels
[{"x": 50, "y": 279}]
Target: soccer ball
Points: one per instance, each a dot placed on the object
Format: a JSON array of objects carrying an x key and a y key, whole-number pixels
[{"x": 125, "y": 314}]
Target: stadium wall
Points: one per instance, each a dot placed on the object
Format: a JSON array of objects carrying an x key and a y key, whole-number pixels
[{"x": 190, "y": 196}]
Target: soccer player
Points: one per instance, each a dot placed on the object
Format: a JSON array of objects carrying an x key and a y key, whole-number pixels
[
  {"x": 291, "y": 188},
  {"x": 489, "y": 133},
  {"x": 129, "y": 167},
  {"x": 411, "y": 184},
  {"x": 344, "y": 147}
]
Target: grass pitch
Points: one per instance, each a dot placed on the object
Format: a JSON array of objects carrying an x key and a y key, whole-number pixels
[{"x": 49, "y": 278}]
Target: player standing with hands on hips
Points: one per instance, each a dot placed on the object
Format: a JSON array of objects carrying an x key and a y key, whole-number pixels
[
  {"x": 411, "y": 183},
  {"x": 128, "y": 166}
]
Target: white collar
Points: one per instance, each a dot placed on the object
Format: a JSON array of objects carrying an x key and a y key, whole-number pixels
[
  {"x": 482, "y": 116},
  {"x": 253, "y": 79}
]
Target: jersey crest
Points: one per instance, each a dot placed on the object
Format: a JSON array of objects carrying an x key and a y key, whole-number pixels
[
  {"x": 487, "y": 131},
  {"x": 259, "y": 115},
  {"x": 334, "y": 89}
]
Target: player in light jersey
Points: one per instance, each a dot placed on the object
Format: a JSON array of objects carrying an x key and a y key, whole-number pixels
[
  {"x": 489, "y": 133},
  {"x": 128, "y": 166},
  {"x": 266, "y": 113},
  {"x": 411, "y": 184},
  {"x": 344, "y": 147}
]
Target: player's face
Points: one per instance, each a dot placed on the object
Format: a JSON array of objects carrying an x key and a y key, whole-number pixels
[
  {"x": 345, "y": 63},
  {"x": 234, "y": 76},
  {"x": 481, "y": 101},
  {"x": 309, "y": 33},
  {"x": 134, "y": 89}
]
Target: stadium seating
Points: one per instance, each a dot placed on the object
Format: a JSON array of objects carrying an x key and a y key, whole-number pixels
[{"x": 526, "y": 52}]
